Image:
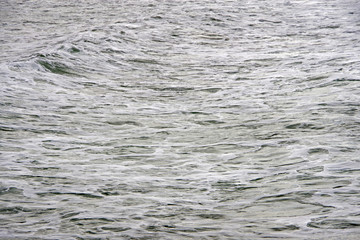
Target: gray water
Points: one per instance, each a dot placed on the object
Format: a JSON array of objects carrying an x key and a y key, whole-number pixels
[{"x": 188, "y": 119}]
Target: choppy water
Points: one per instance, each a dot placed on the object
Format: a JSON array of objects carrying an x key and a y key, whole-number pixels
[{"x": 180, "y": 119}]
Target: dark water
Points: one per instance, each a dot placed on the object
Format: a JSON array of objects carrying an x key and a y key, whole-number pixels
[{"x": 180, "y": 119}]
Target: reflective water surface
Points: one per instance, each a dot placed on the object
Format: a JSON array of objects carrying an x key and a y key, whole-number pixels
[{"x": 188, "y": 119}]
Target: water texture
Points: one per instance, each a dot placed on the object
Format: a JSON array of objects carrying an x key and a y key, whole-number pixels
[{"x": 187, "y": 119}]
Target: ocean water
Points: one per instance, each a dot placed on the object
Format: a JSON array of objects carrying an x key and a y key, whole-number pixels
[{"x": 164, "y": 119}]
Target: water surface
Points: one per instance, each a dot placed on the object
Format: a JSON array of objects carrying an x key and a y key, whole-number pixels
[{"x": 179, "y": 119}]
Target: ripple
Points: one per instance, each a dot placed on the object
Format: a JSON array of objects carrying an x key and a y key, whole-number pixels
[{"x": 334, "y": 224}]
